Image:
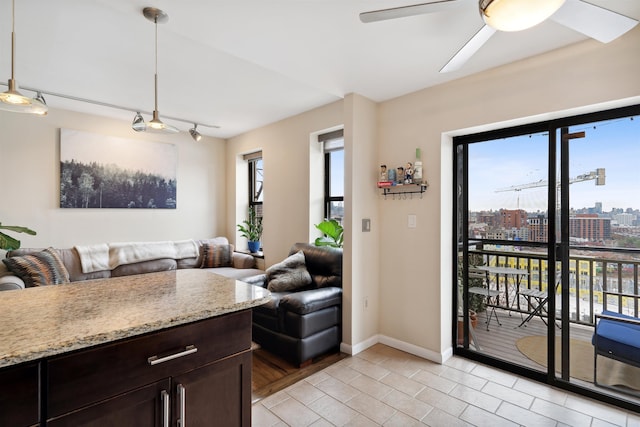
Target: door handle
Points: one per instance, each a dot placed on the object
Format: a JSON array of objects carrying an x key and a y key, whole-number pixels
[
  {"x": 166, "y": 403},
  {"x": 182, "y": 395}
]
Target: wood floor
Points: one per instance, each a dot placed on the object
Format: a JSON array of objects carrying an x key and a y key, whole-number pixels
[{"x": 271, "y": 373}]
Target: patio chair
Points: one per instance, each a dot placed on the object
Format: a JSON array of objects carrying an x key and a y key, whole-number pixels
[
  {"x": 541, "y": 298},
  {"x": 490, "y": 294},
  {"x": 616, "y": 336}
]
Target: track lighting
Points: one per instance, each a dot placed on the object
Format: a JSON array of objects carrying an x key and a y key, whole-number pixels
[
  {"x": 155, "y": 124},
  {"x": 194, "y": 133},
  {"x": 138, "y": 123},
  {"x": 12, "y": 99}
]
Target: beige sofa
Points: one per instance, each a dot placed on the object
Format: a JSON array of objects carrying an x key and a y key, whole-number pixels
[{"x": 232, "y": 264}]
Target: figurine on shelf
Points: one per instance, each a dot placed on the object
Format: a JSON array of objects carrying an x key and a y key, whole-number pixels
[
  {"x": 400, "y": 174},
  {"x": 408, "y": 174},
  {"x": 383, "y": 173},
  {"x": 392, "y": 176}
]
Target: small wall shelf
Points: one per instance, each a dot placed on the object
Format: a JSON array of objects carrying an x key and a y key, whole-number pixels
[{"x": 404, "y": 191}]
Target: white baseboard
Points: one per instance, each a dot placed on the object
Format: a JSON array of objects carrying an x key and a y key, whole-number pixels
[{"x": 399, "y": 345}]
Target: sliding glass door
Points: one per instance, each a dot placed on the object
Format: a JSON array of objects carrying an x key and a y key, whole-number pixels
[{"x": 548, "y": 237}]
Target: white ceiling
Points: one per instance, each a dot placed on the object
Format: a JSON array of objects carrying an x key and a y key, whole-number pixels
[{"x": 241, "y": 64}]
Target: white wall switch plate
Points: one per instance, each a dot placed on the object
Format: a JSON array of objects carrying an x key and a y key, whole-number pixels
[{"x": 411, "y": 221}]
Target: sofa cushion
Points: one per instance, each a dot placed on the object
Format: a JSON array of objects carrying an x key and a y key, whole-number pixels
[
  {"x": 164, "y": 264},
  {"x": 618, "y": 339},
  {"x": 288, "y": 275},
  {"x": 214, "y": 256},
  {"x": 39, "y": 269}
]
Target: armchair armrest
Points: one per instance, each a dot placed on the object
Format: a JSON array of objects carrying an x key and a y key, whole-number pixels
[{"x": 305, "y": 302}]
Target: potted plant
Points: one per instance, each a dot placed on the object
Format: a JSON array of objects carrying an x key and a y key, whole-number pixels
[
  {"x": 332, "y": 233},
  {"x": 251, "y": 229},
  {"x": 9, "y": 243}
]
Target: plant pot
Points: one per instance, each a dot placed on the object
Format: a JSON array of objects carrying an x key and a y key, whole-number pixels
[
  {"x": 473, "y": 322},
  {"x": 254, "y": 247}
]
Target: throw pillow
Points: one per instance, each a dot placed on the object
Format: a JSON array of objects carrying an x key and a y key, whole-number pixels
[
  {"x": 214, "y": 256},
  {"x": 39, "y": 269},
  {"x": 288, "y": 275}
]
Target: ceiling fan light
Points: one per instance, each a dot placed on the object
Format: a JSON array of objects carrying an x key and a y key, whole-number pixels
[{"x": 517, "y": 15}]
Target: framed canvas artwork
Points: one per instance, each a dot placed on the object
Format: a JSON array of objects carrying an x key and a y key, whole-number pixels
[{"x": 98, "y": 171}]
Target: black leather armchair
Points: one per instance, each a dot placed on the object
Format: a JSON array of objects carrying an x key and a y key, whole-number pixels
[{"x": 301, "y": 325}]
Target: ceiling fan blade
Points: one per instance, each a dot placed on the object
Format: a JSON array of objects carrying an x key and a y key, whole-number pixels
[
  {"x": 469, "y": 49},
  {"x": 403, "y": 11},
  {"x": 593, "y": 21}
]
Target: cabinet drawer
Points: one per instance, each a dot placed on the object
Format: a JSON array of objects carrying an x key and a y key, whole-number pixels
[{"x": 91, "y": 375}]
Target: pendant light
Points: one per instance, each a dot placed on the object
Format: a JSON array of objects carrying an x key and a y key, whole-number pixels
[
  {"x": 155, "y": 124},
  {"x": 12, "y": 100},
  {"x": 517, "y": 15}
]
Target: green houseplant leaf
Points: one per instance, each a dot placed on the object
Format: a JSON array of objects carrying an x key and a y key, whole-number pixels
[
  {"x": 251, "y": 228},
  {"x": 332, "y": 233},
  {"x": 9, "y": 243}
]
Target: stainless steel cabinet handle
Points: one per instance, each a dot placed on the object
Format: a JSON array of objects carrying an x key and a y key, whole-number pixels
[
  {"x": 166, "y": 403},
  {"x": 154, "y": 360},
  {"x": 181, "y": 406}
]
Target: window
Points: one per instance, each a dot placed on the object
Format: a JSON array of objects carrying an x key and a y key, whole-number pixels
[
  {"x": 333, "y": 145},
  {"x": 256, "y": 180}
]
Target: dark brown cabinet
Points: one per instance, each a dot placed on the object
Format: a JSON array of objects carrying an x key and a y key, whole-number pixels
[
  {"x": 198, "y": 374},
  {"x": 141, "y": 407},
  {"x": 19, "y": 401},
  {"x": 215, "y": 395}
]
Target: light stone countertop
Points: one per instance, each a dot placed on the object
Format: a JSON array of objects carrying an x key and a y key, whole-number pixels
[{"x": 36, "y": 323}]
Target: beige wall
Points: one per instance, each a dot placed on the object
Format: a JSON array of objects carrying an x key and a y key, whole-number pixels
[
  {"x": 415, "y": 290},
  {"x": 29, "y": 193},
  {"x": 361, "y": 249},
  {"x": 285, "y": 154}
]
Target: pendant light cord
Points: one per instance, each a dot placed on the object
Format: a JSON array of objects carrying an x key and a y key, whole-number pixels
[
  {"x": 13, "y": 36},
  {"x": 155, "y": 22}
]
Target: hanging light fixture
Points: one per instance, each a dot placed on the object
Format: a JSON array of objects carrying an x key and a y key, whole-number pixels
[
  {"x": 194, "y": 133},
  {"x": 12, "y": 99},
  {"x": 517, "y": 15},
  {"x": 155, "y": 124}
]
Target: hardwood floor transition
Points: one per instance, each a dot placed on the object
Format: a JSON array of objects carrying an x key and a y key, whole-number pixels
[{"x": 271, "y": 374}]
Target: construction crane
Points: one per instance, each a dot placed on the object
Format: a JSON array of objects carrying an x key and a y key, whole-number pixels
[{"x": 597, "y": 175}]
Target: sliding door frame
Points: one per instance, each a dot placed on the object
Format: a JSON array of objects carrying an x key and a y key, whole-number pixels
[{"x": 557, "y": 250}]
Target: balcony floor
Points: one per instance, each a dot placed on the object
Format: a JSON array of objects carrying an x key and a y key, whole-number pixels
[{"x": 500, "y": 342}]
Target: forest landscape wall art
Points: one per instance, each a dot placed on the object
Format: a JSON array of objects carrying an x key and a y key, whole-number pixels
[{"x": 98, "y": 171}]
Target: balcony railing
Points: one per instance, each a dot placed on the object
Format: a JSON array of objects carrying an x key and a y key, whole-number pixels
[{"x": 596, "y": 282}]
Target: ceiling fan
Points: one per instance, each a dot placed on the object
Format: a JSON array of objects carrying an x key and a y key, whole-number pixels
[{"x": 515, "y": 15}]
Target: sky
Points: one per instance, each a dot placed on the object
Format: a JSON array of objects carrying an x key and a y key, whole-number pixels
[
  {"x": 613, "y": 145},
  {"x": 131, "y": 154}
]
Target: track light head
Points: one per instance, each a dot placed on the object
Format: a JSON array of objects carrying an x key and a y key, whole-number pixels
[
  {"x": 138, "y": 123},
  {"x": 194, "y": 133}
]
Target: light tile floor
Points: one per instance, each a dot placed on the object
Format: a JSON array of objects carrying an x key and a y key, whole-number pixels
[{"x": 385, "y": 386}]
